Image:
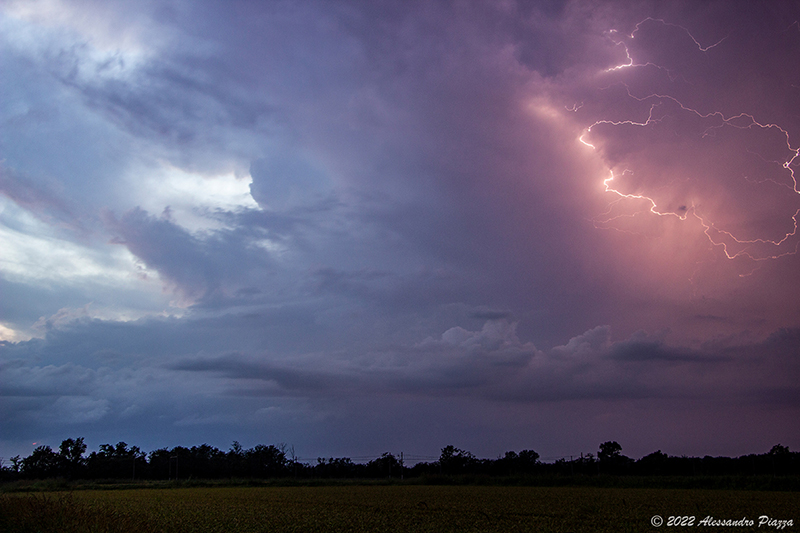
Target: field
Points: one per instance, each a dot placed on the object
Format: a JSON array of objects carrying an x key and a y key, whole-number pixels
[{"x": 405, "y": 508}]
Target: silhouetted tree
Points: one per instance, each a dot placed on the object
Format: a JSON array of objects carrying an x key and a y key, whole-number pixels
[
  {"x": 266, "y": 461},
  {"x": 611, "y": 460},
  {"x": 237, "y": 467},
  {"x": 779, "y": 450},
  {"x": 609, "y": 451},
  {"x": 387, "y": 465},
  {"x": 42, "y": 463},
  {"x": 653, "y": 464},
  {"x": 116, "y": 462},
  {"x": 340, "y": 467},
  {"x": 207, "y": 461},
  {"x": 455, "y": 461},
  {"x": 159, "y": 464},
  {"x": 524, "y": 462},
  {"x": 780, "y": 459},
  {"x": 70, "y": 454},
  {"x": 236, "y": 449},
  {"x": 123, "y": 462}
]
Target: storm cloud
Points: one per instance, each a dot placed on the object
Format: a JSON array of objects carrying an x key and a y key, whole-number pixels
[{"x": 365, "y": 226}]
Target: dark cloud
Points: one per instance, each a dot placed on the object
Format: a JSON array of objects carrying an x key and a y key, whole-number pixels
[
  {"x": 429, "y": 236},
  {"x": 39, "y": 199},
  {"x": 202, "y": 268},
  {"x": 105, "y": 378}
]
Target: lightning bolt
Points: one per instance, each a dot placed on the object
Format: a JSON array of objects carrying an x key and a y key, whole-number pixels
[
  {"x": 733, "y": 246},
  {"x": 632, "y": 35}
]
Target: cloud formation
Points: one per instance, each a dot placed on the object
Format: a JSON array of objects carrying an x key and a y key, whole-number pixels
[{"x": 362, "y": 226}]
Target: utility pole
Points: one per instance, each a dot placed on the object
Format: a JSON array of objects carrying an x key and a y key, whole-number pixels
[{"x": 401, "y": 466}]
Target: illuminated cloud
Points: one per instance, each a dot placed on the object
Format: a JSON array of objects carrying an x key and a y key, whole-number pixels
[{"x": 356, "y": 226}]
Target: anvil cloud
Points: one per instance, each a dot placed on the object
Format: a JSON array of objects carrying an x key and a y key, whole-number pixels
[{"x": 366, "y": 226}]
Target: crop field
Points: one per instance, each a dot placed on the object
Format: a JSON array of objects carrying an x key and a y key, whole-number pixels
[{"x": 405, "y": 508}]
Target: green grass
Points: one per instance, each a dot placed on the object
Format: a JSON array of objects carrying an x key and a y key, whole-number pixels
[{"x": 383, "y": 508}]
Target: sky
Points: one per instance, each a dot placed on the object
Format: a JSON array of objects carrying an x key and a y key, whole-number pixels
[{"x": 356, "y": 227}]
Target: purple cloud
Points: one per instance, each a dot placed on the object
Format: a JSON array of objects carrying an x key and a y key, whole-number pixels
[{"x": 301, "y": 221}]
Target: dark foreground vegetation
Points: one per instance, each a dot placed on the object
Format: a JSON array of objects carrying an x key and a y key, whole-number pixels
[
  {"x": 777, "y": 469},
  {"x": 266, "y": 488}
]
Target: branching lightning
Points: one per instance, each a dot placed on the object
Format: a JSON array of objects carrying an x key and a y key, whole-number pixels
[
  {"x": 632, "y": 35},
  {"x": 733, "y": 246}
]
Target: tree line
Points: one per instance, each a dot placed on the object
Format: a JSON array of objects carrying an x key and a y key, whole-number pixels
[{"x": 123, "y": 462}]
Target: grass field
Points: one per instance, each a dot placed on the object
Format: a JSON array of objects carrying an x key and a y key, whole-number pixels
[{"x": 388, "y": 508}]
